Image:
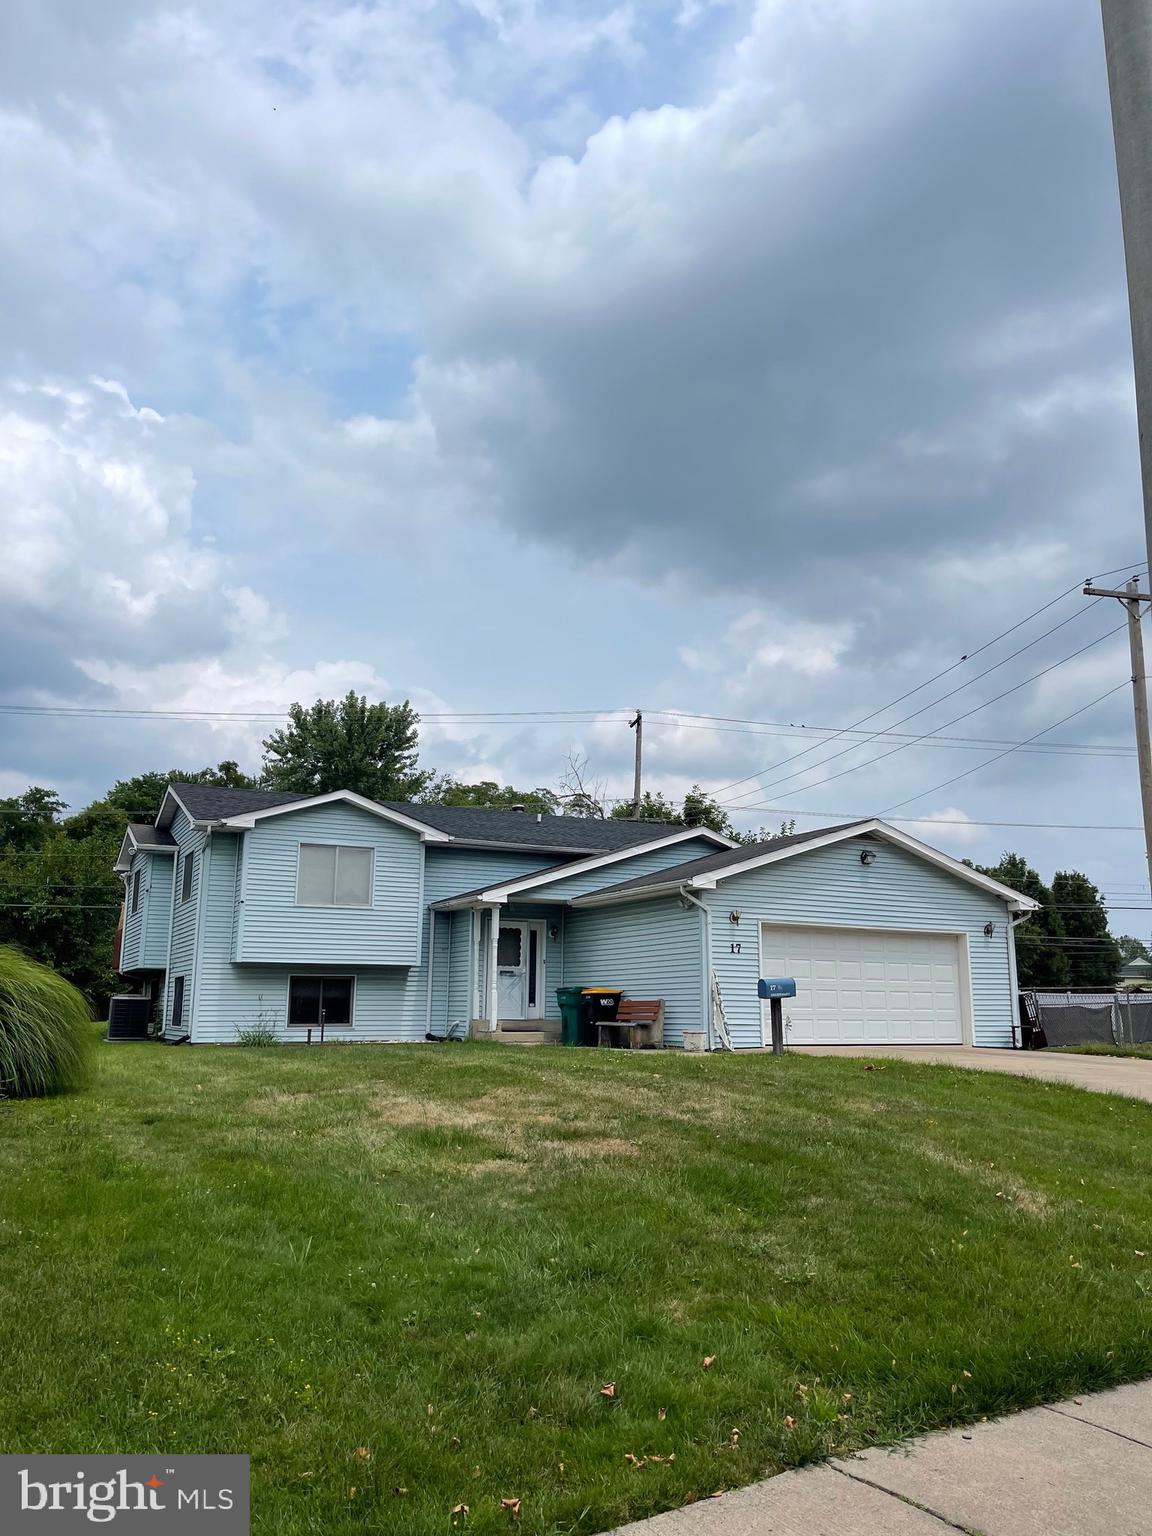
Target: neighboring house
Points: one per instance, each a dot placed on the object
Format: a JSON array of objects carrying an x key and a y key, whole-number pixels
[{"x": 390, "y": 921}]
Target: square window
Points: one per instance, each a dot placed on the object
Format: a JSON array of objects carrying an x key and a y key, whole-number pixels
[
  {"x": 315, "y": 1000},
  {"x": 331, "y": 876}
]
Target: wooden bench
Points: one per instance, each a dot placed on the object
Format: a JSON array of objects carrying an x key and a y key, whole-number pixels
[{"x": 641, "y": 1024}]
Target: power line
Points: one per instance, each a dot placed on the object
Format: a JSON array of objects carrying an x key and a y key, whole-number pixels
[
  {"x": 948, "y": 821},
  {"x": 999, "y": 756},
  {"x": 932, "y": 738},
  {"x": 892, "y": 703},
  {"x": 872, "y": 761},
  {"x": 919, "y": 688}
]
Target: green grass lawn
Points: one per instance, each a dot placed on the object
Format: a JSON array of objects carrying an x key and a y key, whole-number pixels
[
  {"x": 1143, "y": 1052},
  {"x": 402, "y": 1278}
]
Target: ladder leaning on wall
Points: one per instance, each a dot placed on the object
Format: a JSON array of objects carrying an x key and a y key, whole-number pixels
[{"x": 719, "y": 1030}]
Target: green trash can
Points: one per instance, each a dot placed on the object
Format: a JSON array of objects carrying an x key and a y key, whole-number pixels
[{"x": 571, "y": 1003}]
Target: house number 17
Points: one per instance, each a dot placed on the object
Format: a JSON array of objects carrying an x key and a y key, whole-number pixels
[{"x": 734, "y": 948}]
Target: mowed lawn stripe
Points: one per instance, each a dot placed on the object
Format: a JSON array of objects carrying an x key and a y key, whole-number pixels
[{"x": 401, "y": 1277}]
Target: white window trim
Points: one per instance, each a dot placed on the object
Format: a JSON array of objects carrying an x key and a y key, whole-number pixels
[
  {"x": 137, "y": 892},
  {"x": 338, "y": 906},
  {"x": 320, "y": 976},
  {"x": 188, "y": 862}
]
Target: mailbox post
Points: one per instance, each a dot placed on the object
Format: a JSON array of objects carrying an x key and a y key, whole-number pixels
[{"x": 775, "y": 989}]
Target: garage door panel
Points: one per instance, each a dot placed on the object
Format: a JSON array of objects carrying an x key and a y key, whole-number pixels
[{"x": 864, "y": 987}]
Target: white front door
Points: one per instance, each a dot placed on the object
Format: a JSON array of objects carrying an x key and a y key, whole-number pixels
[
  {"x": 858, "y": 986},
  {"x": 520, "y": 970}
]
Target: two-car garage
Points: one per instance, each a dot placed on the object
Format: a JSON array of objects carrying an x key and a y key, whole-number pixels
[{"x": 859, "y": 986}]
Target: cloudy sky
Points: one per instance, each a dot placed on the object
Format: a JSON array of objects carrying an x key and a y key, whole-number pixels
[{"x": 751, "y": 360}]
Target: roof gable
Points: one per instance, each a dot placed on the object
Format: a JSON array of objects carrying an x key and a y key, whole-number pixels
[
  {"x": 707, "y": 873},
  {"x": 500, "y": 891},
  {"x": 248, "y": 819}
]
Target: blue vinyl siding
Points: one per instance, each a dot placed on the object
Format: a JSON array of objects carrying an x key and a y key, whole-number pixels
[
  {"x": 450, "y": 872},
  {"x": 459, "y": 980},
  {"x": 189, "y": 841},
  {"x": 643, "y": 863},
  {"x": 273, "y": 927},
  {"x": 652, "y": 949},
  {"x": 156, "y": 906},
  {"x": 144, "y": 946},
  {"x": 131, "y": 945},
  {"x": 390, "y": 1001},
  {"x": 831, "y": 886}
]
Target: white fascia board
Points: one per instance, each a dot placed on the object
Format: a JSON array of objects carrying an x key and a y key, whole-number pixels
[
  {"x": 248, "y": 819},
  {"x": 1015, "y": 900},
  {"x": 498, "y": 894},
  {"x": 170, "y": 794},
  {"x": 889, "y": 834},
  {"x": 124, "y": 857}
]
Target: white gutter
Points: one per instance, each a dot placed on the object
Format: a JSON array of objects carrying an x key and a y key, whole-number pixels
[{"x": 706, "y": 945}]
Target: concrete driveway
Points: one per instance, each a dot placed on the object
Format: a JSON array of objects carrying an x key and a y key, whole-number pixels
[{"x": 1105, "y": 1074}]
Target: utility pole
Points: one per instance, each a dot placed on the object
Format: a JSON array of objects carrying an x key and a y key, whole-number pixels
[
  {"x": 1131, "y": 596},
  {"x": 1128, "y": 45},
  {"x": 637, "y": 725}
]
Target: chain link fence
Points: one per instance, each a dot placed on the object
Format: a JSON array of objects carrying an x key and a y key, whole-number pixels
[{"x": 1087, "y": 1018}]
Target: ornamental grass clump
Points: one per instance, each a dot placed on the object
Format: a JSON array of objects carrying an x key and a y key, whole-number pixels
[{"x": 44, "y": 1029}]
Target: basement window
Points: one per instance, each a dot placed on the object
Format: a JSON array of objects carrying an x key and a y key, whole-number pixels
[{"x": 315, "y": 1000}]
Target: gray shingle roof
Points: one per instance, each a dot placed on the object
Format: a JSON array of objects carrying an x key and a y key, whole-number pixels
[
  {"x": 145, "y": 836},
  {"x": 520, "y": 829},
  {"x": 684, "y": 874},
  {"x": 466, "y": 823},
  {"x": 209, "y": 802}
]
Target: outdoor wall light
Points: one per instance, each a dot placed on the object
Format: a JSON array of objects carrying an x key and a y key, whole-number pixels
[
  {"x": 868, "y": 856},
  {"x": 734, "y": 917},
  {"x": 989, "y": 930},
  {"x": 554, "y": 933}
]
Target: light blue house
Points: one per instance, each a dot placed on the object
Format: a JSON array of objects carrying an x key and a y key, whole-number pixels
[{"x": 388, "y": 921}]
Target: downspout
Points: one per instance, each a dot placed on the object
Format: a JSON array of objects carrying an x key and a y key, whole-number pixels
[
  {"x": 198, "y": 945},
  {"x": 431, "y": 972},
  {"x": 1014, "y": 920},
  {"x": 706, "y": 948}
]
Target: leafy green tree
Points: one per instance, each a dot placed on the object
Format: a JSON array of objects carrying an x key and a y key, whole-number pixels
[
  {"x": 347, "y": 744},
  {"x": 28, "y": 820},
  {"x": 60, "y": 902},
  {"x": 1040, "y": 957},
  {"x": 139, "y": 797},
  {"x": 1093, "y": 955},
  {"x": 699, "y": 809},
  {"x": 488, "y": 795},
  {"x": 1132, "y": 949}
]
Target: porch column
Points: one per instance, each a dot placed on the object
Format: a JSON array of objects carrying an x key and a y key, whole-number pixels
[{"x": 493, "y": 970}]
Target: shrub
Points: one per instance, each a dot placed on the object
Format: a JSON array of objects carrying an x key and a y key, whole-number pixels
[
  {"x": 44, "y": 1035},
  {"x": 255, "y": 1034}
]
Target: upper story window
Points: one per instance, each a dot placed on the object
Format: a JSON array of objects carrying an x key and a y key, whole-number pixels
[
  {"x": 136, "y": 880},
  {"x": 186, "y": 885},
  {"x": 331, "y": 876}
]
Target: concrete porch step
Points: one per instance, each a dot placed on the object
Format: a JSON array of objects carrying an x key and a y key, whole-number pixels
[{"x": 521, "y": 1032}]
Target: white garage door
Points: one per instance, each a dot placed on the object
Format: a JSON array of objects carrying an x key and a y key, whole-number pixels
[{"x": 866, "y": 987}]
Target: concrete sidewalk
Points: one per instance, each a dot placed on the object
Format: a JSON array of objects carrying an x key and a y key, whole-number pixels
[
  {"x": 1080, "y": 1468},
  {"x": 1105, "y": 1074}
]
